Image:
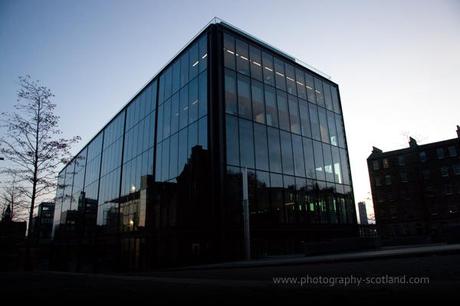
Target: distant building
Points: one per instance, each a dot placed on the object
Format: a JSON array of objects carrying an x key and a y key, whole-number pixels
[
  {"x": 362, "y": 213},
  {"x": 43, "y": 222},
  {"x": 416, "y": 190}
]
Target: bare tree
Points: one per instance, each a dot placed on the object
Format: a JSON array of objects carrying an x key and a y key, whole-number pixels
[
  {"x": 12, "y": 197},
  {"x": 33, "y": 145}
]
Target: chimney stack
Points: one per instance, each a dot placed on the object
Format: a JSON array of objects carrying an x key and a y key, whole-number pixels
[
  {"x": 412, "y": 142},
  {"x": 458, "y": 131}
]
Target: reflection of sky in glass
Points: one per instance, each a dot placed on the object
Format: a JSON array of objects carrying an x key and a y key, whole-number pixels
[{"x": 390, "y": 59}]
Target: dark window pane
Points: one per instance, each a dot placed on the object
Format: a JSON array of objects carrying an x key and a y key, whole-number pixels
[
  {"x": 323, "y": 125},
  {"x": 182, "y": 158},
  {"x": 337, "y": 165},
  {"x": 256, "y": 63},
  {"x": 283, "y": 111},
  {"x": 279, "y": 74},
  {"x": 160, "y": 124},
  {"x": 165, "y": 161},
  {"x": 242, "y": 57},
  {"x": 167, "y": 118},
  {"x": 175, "y": 113},
  {"x": 183, "y": 117},
  {"x": 299, "y": 164},
  {"x": 286, "y": 153},
  {"x": 203, "y": 132},
  {"x": 290, "y": 80},
  {"x": 229, "y": 51},
  {"x": 246, "y": 143},
  {"x": 315, "y": 131},
  {"x": 184, "y": 62},
  {"x": 309, "y": 158},
  {"x": 203, "y": 52},
  {"x": 233, "y": 156},
  {"x": 192, "y": 137},
  {"x": 176, "y": 76},
  {"x": 158, "y": 164},
  {"x": 332, "y": 129},
  {"x": 261, "y": 150},
  {"x": 274, "y": 150},
  {"x": 300, "y": 82},
  {"x": 335, "y": 99},
  {"x": 174, "y": 146},
  {"x": 319, "y": 163},
  {"x": 294, "y": 114},
  {"x": 345, "y": 168},
  {"x": 319, "y": 92},
  {"x": 193, "y": 100},
  {"x": 327, "y": 96},
  {"x": 267, "y": 62},
  {"x": 340, "y": 131},
  {"x": 244, "y": 97},
  {"x": 328, "y": 168},
  {"x": 194, "y": 62},
  {"x": 168, "y": 83},
  {"x": 304, "y": 118},
  {"x": 258, "y": 101},
  {"x": 271, "y": 108},
  {"x": 310, "y": 88},
  {"x": 230, "y": 92},
  {"x": 203, "y": 94}
]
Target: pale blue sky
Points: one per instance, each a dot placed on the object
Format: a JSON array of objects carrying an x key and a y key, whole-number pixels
[{"x": 397, "y": 62}]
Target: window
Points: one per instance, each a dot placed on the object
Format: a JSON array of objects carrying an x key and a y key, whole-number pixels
[
  {"x": 319, "y": 163},
  {"x": 233, "y": 156},
  {"x": 386, "y": 163},
  {"x": 299, "y": 163},
  {"x": 387, "y": 179},
  {"x": 244, "y": 97},
  {"x": 315, "y": 131},
  {"x": 203, "y": 132},
  {"x": 328, "y": 96},
  {"x": 328, "y": 167},
  {"x": 194, "y": 61},
  {"x": 270, "y": 104},
  {"x": 258, "y": 101},
  {"x": 340, "y": 131},
  {"x": 230, "y": 92},
  {"x": 440, "y": 153},
  {"x": 203, "y": 94},
  {"x": 242, "y": 57},
  {"x": 345, "y": 167},
  {"x": 323, "y": 125},
  {"x": 335, "y": 99},
  {"x": 193, "y": 101},
  {"x": 332, "y": 129},
  {"x": 261, "y": 149},
  {"x": 283, "y": 111},
  {"x": 452, "y": 151},
  {"x": 403, "y": 176},
  {"x": 184, "y": 69},
  {"x": 229, "y": 51},
  {"x": 294, "y": 114},
  {"x": 309, "y": 158},
  {"x": 290, "y": 80},
  {"x": 176, "y": 76},
  {"x": 457, "y": 169},
  {"x": 192, "y": 137},
  {"x": 274, "y": 150},
  {"x": 182, "y": 155},
  {"x": 423, "y": 157},
  {"x": 279, "y": 74},
  {"x": 401, "y": 161},
  {"x": 309, "y": 86},
  {"x": 375, "y": 165},
  {"x": 166, "y": 118},
  {"x": 203, "y": 52},
  {"x": 183, "y": 117},
  {"x": 165, "y": 161},
  {"x": 300, "y": 83},
  {"x": 174, "y": 146},
  {"x": 319, "y": 92},
  {"x": 444, "y": 171},
  {"x": 304, "y": 118},
  {"x": 175, "y": 113},
  {"x": 246, "y": 144},
  {"x": 378, "y": 181},
  {"x": 256, "y": 63},
  {"x": 286, "y": 153},
  {"x": 269, "y": 74}
]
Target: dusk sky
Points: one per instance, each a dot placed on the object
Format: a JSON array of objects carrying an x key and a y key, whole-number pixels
[{"x": 397, "y": 62}]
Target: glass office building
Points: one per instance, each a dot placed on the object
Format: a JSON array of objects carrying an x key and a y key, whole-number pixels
[{"x": 161, "y": 184}]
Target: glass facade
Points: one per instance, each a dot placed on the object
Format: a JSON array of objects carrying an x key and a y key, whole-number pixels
[{"x": 284, "y": 124}]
